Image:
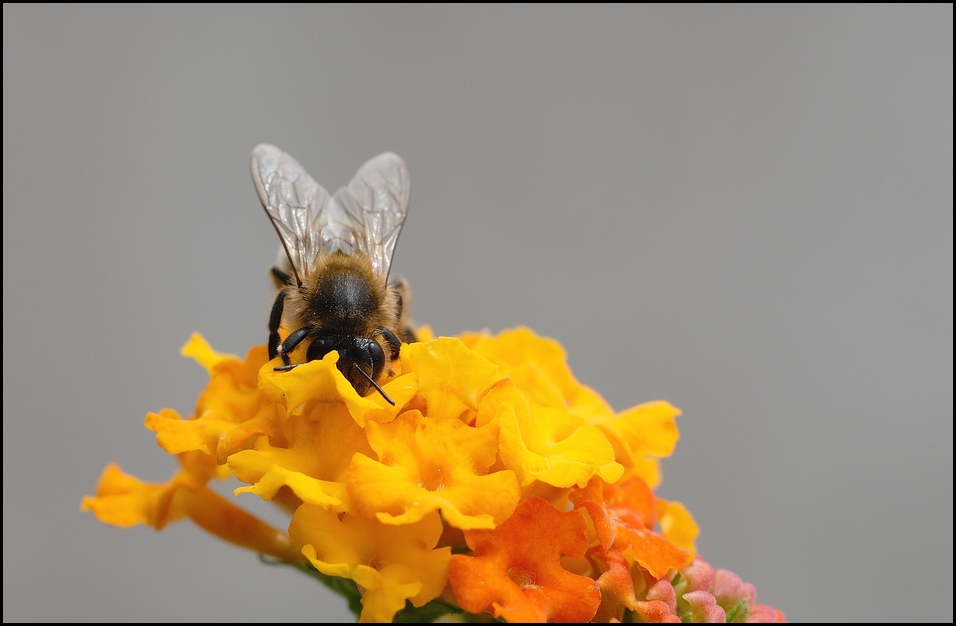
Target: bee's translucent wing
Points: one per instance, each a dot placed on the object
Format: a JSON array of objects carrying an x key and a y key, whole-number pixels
[
  {"x": 377, "y": 198},
  {"x": 294, "y": 202}
]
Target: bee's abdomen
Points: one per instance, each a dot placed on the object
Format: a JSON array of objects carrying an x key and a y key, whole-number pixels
[{"x": 342, "y": 300}]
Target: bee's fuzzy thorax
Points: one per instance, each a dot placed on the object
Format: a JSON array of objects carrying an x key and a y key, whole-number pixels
[{"x": 344, "y": 296}]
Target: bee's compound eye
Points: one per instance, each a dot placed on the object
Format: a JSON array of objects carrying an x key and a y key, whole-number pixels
[
  {"x": 375, "y": 355},
  {"x": 361, "y": 361},
  {"x": 364, "y": 352},
  {"x": 320, "y": 347}
]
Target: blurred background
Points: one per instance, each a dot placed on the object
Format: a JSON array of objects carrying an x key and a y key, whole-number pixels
[{"x": 745, "y": 210}]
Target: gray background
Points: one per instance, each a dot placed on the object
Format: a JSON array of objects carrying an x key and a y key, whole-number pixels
[{"x": 747, "y": 211}]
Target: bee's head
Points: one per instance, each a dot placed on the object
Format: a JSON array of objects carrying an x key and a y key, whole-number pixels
[
  {"x": 361, "y": 360},
  {"x": 362, "y": 363}
]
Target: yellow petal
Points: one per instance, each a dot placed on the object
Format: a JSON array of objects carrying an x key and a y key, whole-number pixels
[
  {"x": 678, "y": 525},
  {"x": 230, "y": 411},
  {"x": 649, "y": 428},
  {"x": 428, "y": 464},
  {"x": 400, "y": 389},
  {"x": 233, "y": 387},
  {"x": 646, "y": 468},
  {"x": 267, "y": 479},
  {"x": 317, "y": 381},
  {"x": 390, "y": 562},
  {"x": 424, "y": 333},
  {"x": 312, "y": 461},
  {"x": 539, "y": 368},
  {"x": 554, "y": 446},
  {"x": 124, "y": 500},
  {"x": 198, "y": 349},
  {"x": 212, "y": 433},
  {"x": 386, "y": 590},
  {"x": 320, "y": 381},
  {"x": 450, "y": 376}
]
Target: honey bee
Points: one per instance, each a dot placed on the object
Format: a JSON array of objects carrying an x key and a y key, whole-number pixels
[{"x": 332, "y": 270}]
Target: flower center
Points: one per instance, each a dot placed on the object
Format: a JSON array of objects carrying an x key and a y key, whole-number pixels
[
  {"x": 522, "y": 577},
  {"x": 433, "y": 479}
]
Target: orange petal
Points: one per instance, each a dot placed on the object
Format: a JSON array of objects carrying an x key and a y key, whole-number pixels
[
  {"x": 651, "y": 551},
  {"x": 619, "y": 513},
  {"x": 518, "y": 564}
]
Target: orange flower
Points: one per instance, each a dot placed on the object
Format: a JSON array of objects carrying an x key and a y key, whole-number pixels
[
  {"x": 618, "y": 591},
  {"x": 623, "y": 517},
  {"x": 516, "y": 570}
]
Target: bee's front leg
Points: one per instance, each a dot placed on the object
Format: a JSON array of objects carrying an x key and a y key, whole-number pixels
[
  {"x": 275, "y": 318},
  {"x": 284, "y": 348},
  {"x": 291, "y": 342}
]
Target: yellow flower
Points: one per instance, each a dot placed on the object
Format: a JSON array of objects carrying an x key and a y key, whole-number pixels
[
  {"x": 124, "y": 500},
  {"x": 640, "y": 436},
  {"x": 391, "y": 564},
  {"x": 549, "y": 443},
  {"x": 451, "y": 378},
  {"x": 230, "y": 411},
  {"x": 429, "y": 464},
  {"x": 380, "y": 496},
  {"x": 539, "y": 368},
  {"x": 312, "y": 461}
]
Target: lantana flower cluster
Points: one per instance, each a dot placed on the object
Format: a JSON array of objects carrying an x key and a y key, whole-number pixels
[{"x": 496, "y": 484}]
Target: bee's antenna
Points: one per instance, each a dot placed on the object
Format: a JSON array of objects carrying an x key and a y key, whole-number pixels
[{"x": 374, "y": 384}]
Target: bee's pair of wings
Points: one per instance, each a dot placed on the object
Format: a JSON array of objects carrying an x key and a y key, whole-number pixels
[{"x": 361, "y": 219}]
